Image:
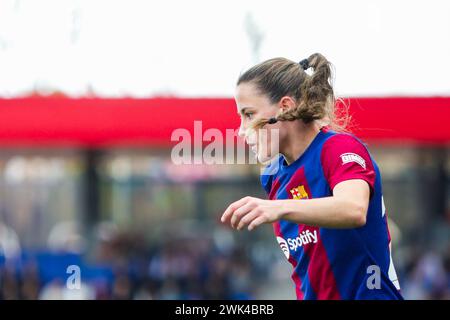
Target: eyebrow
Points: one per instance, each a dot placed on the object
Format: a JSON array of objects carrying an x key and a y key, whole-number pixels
[{"x": 243, "y": 110}]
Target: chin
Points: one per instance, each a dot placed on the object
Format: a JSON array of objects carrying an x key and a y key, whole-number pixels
[{"x": 265, "y": 159}]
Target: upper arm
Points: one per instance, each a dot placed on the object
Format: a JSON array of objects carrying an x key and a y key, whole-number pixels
[{"x": 355, "y": 190}]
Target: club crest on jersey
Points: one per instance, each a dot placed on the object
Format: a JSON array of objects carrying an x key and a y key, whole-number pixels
[
  {"x": 299, "y": 193},
  {"x": 353, "y": 157}
]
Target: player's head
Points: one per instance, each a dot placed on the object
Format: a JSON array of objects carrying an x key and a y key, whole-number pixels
[{"x": 280, "y": 94}]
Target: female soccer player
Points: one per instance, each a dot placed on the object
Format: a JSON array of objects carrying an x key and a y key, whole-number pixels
[{"x": 336, "y": 237}]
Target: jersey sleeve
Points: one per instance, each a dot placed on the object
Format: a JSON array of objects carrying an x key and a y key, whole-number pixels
[{"x": 344, "y": 158}]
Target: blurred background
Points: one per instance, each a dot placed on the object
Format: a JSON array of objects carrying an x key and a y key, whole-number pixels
[{"x": 91, "y": 92}]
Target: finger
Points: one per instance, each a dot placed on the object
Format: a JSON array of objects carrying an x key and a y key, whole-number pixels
[
  {"x": 248, "y": 218},
  {"x": 257, "y": 222},
  {"x": 230, "y": 210},
  {"x": 235, "y": 205},
  {"x": 241, "y": 212}
]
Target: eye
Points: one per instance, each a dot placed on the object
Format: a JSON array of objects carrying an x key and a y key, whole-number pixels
[{"x": 248, "y": 115}]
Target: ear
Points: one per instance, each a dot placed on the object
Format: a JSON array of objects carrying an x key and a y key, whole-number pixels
[{"x": 286, "y": 103}]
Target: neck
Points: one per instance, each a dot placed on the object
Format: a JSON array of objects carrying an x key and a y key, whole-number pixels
[{"x": 298, "y": 139}]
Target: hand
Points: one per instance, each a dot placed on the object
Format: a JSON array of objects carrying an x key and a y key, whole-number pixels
[{"x": 252, "y": 212}]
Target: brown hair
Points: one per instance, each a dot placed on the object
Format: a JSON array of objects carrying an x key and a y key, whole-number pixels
[{"x": 279, "y": 77}]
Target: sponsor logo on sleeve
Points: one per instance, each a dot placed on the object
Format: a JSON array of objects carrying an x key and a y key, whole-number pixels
[{"x": 353, "y": 157}]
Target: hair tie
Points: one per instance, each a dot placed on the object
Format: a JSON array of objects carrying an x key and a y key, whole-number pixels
[
  {"x": 272, "y": 121},
  {"x": 305, "y": 64}
]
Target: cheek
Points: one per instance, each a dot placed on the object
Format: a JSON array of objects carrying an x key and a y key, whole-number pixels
[
  {"x": 270, "y": 141},
  {"x": 267, "y": 147},
  {"x": 264, "y": 139}
]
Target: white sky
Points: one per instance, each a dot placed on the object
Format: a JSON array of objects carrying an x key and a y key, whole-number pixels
[{"x": 199, "y": 47}]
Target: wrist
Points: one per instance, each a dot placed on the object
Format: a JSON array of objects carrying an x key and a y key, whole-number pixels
[{"x": 284, "y": 209}]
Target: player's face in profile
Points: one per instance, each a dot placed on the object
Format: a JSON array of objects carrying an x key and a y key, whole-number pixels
[{"x": 253, "y": 105}]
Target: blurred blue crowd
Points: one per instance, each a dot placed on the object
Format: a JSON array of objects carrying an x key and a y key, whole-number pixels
[{"x": 126, "y": 267}]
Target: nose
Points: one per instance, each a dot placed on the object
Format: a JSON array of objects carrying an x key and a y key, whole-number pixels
[{"x": 241, "y": 132}]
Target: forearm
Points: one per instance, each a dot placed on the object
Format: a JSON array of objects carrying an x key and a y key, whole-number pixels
[{"x": 328, "y": 212}]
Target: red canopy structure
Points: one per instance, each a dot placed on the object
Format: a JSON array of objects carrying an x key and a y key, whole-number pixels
[{"x": 95, "y": 122}]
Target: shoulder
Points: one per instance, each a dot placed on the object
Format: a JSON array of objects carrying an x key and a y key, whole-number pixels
[
  {"x": 344, "y": 157},
  {"x": 342, "y": 143},
  {"x": 342, "y": 139}
]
